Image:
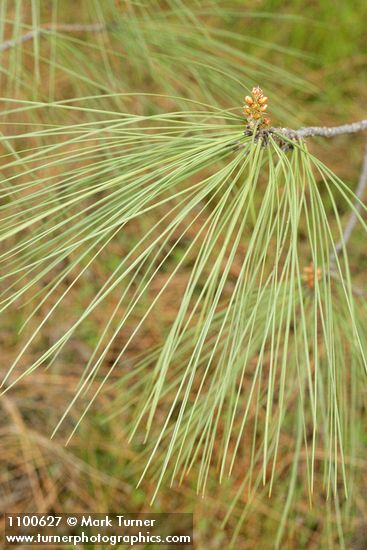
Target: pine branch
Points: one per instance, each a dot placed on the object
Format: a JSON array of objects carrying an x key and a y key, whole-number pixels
[
  {"x": 323, "y": 131},
  {"x": 285, "y": 137},
  {"x": 48, "y": 27}
]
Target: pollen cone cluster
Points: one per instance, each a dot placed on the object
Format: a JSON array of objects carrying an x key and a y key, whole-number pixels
[
  {"x": 255, "y": 109},
  {"x": 310, "y": 275}
]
